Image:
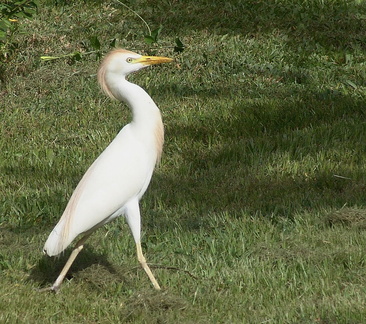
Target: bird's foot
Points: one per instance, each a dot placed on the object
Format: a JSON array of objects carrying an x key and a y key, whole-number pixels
[{"x": 53, "y": 288}]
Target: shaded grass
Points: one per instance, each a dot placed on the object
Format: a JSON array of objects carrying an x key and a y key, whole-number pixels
[{"x": 260, "y": 193}]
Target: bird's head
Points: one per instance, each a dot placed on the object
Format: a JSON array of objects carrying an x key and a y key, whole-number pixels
[{"x": 119, "y": 63}]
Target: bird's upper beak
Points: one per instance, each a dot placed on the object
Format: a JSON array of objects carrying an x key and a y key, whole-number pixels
[{"x": 149, "y": 60}]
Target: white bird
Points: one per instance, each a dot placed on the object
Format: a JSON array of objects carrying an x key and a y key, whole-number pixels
[{"x": 115, "y": 182}]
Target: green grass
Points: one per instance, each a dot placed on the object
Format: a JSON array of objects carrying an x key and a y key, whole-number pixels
[{"x": 256, "y": 213}]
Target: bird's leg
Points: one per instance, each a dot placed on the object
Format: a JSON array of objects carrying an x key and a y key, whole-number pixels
[
  {"x": 144, "y": 265},
  {"x": 133, "y": 218},
  {"x": 78, "y": 247}
]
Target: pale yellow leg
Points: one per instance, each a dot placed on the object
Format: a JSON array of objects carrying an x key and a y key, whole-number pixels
[
  {"x": 144, "y": 265},
  {"x": 78, "y": 247}
]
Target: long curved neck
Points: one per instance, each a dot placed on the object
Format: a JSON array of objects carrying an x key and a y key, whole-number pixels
[
  {"x": 140, "y": 103},
  {"x": 146, "y": 116}
]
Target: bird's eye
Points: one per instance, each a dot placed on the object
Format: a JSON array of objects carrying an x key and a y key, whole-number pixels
[{"x": 129, "y": 59}]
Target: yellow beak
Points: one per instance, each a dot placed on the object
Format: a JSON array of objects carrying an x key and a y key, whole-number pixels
[{"x": 149, "y": 60}]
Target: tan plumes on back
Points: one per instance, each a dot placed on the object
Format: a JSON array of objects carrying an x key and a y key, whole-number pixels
[{"x": 159, "y": 138}]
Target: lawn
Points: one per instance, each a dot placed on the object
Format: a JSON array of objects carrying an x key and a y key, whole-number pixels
[{"x": 256, "y": 213}]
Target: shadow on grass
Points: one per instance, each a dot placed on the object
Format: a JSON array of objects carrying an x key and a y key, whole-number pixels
[
  {"x": 331, "y": 24},
  {"x": 18, "y": 244},
  {"x": 244, "y": 171},
  {"x": 88, "y": 267},
  {"x": 326, "y": 23}
]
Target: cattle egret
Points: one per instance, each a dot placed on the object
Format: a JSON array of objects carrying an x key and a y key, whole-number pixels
[{"x": 115, "y": 182}]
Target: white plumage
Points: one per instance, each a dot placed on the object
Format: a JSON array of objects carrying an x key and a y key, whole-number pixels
[{"x": 115, "y": 182}]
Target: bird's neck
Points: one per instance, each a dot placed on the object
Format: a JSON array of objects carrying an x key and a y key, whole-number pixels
[
  {"x": 146, "y": 116},
  {"x": 140, "y": 103}
]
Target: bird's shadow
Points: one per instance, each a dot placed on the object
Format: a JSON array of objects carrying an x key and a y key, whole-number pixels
[{"x": 88, "y": 264}]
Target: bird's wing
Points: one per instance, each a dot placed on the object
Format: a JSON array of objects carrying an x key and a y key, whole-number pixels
[{"x": 122, "y": 172}]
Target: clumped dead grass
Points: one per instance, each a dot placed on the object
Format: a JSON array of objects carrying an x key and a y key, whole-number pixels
[{"x": 349, "y": 217}]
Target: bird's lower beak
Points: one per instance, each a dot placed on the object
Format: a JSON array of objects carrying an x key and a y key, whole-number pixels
[{"x": 149, "y": 60}]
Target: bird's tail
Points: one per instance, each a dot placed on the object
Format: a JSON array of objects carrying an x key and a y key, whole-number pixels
[{"x": 56, "y": 241}]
